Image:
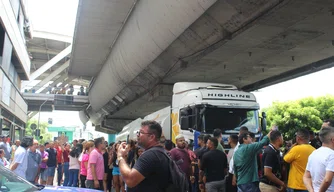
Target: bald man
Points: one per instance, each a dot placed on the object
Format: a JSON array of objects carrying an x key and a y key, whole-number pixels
[{"x": 181, "y": 157}]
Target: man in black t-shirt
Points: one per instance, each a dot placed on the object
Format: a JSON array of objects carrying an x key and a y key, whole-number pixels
[
  {"x": 151, "y": 171},
  {"x": 202, "y": 140},
  {"x": 313, "y": 141},
  {"x": 272, "y": 165},
  {"x": 214, "y": 164},
  {"x": 51, "y": 163}
]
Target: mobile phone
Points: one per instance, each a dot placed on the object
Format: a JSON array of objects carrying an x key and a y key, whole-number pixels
[
  {"x": 275, "y": 128},
  {"x": 127, "y": 139}
]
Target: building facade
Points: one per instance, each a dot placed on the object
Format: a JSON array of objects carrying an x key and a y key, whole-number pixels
[{"x": 15, "y": 29}]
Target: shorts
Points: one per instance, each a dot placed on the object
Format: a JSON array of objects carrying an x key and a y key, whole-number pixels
[
  {"x": 51, "y": 171},
  {"x": 115, "y": 171},
  {"x": 44, "y": 174}
]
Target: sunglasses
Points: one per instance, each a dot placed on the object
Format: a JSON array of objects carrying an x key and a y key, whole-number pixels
[{"x": 142, "y": 133}]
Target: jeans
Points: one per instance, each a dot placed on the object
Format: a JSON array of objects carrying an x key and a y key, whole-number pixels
[
  {"x": 295, "y": 190},
  {"x": 249, "y": 187},
  {"x": 66, "y": 166},
  {"x": 73, "y": 178},
  {"x": 194, "y": 186},
  {"x": 60, "y": 173}
]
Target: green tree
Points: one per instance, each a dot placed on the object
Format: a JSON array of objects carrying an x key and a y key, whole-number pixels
[
  {"x": 293, "y": 115},
  {"x": 324, "y": 104},
  {"x": 43, "y": 130}
]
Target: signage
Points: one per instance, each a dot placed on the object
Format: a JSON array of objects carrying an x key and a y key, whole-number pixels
[
  {"x": 33, "y": 126},
  {"x": 227, "y": 95}
]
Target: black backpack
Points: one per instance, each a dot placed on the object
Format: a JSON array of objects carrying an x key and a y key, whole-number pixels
[{"x": 178, "y": 181}]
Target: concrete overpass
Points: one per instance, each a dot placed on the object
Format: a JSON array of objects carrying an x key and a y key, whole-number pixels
[
  {"x": 49, "y": 102},
  {"x": 136, "y": 50}
]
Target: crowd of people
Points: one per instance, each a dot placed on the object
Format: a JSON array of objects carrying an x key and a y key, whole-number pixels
[
  {"x": 62, "y": 90},
  {"x": 248, "y": 166}
]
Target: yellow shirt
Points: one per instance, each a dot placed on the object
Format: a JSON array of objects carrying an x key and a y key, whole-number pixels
[{"x": 297, "y": 157}]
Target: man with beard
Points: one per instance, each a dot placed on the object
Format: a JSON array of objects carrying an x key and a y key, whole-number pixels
[
  {"x": 245, "y": 163},
  {"x": 214, "y": 164},
  {"x": 297, "y": 157},
  {"x": 272, "y": 165},
  {"x": 314, "y": 141},
  {"x": 151, "y": 170},
  {"x": 181, "y": 157}
]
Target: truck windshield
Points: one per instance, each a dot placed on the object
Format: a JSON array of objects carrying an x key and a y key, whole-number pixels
[{"x": 230, "y": 120}]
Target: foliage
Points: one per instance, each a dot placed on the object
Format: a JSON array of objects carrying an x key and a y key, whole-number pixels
[
  {"x": 43, "y": 127},
  {"x": 304, "y": 113}
]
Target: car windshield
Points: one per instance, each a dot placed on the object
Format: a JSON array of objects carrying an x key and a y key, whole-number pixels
[
  {"x": 230, "y": 120},
  {"x": 9, "y": 181}
]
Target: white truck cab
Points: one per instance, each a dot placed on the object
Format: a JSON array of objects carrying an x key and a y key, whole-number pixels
[{"x": 203, "y": 107}]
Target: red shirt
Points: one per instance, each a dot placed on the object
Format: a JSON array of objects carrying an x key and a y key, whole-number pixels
[
  {"x": 181, "y": 157},
  {"x": 66, "y": 156},
  {"x": 59, "y": 154}
]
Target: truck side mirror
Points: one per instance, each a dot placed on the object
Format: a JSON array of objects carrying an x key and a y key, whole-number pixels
[
  {"x": 184, "y": 123},
  {"x": 264, "y": 121}
]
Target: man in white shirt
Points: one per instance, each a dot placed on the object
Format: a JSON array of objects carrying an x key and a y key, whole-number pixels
[
  {"x": 20, "y": 161},
  {"x": 233, "y": 142},
  {"x": 231, "y": 181},
  {"x": 319, "y": 172}
]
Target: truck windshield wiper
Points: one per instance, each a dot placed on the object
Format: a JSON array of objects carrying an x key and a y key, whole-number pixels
[{"x": 243, "y": 122}]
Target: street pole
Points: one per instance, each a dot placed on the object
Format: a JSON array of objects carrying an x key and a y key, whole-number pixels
[{"x": 39, "y": 113}]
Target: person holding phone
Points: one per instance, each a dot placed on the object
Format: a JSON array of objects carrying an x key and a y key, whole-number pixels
[
  {"x": 117, "y": 178},
  {"x": 3, "y": 160}
]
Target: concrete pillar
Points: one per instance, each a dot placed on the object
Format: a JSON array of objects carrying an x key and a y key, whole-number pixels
[{"x": 111, "y": 138}]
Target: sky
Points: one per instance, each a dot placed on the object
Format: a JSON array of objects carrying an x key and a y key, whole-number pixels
[
  {"x": 58, "y": 16},
  {"x": 312, "y": 85}
]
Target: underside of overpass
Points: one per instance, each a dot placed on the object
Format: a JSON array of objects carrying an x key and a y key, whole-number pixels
[
  {"x": 136, "y": 50},
  {"x": 50, "y": 57}
]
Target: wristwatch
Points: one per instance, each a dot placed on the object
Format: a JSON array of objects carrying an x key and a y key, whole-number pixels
[{"x": 119, "y": 159}]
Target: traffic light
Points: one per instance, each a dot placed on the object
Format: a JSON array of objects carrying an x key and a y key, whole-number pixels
[
  {"x": 38, "y": 132},
  {"x": 50, "y": 121}
]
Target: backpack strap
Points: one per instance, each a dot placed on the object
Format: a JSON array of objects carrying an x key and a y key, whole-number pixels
[{"x": 161, "y": 150}]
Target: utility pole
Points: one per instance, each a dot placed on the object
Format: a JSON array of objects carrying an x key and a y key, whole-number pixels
[{"x": 39, "y": 113}]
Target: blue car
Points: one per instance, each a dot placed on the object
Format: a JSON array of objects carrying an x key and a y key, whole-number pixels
[{"x": 9, "y": 181}]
